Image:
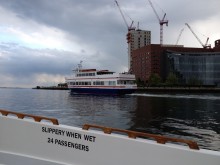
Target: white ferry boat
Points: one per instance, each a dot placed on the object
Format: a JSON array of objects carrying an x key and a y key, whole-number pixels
[
  {"x": 30, "y": 140},
  {"x": 105, "y": 82}
]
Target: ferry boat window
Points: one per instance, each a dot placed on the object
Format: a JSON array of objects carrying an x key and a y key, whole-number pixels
[
  {"x": 87, "y": 83},
  {"x": 131, "y": 82},
  {"x": 112, "y": 83},
  {"x": 125, "y": 82},
  {"x": 98, "y": 83},
  {"x": 119, "y": 82}
]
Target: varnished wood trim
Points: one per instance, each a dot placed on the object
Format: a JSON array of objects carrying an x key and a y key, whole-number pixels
[
  {"x": 35, "y": 117},
  {"x": 133, "y": 134}
]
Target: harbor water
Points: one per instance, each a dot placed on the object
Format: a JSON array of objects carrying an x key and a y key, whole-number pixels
[{"x": 193, "y": 117}]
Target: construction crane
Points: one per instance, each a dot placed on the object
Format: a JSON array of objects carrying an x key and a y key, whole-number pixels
[
  {"x": 129, "y": 27},
  {"x": 181, "y": 31},
  {"x": 161, "y": 22},
  {"x": 206, "y": 45}
]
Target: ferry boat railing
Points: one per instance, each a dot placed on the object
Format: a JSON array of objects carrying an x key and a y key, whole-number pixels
[
  {"x": 35, "y": 117},
  {"x": 133, "y": 134}
]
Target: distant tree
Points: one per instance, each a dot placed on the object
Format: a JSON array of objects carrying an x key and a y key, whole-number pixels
[
  {"x": 194, "y": 82},
  {"x": 171, "y": 80},
  {"x": 154, "y": 80},
  {"x": 140, "y": 83}
]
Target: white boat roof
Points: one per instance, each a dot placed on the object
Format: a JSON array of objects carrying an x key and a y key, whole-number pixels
[{"x": 93, "y": 70}]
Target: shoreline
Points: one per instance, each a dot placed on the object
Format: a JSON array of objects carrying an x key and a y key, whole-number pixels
[
  {"x": 178, "y": 90},
  {"x": 52, "y": 88}
]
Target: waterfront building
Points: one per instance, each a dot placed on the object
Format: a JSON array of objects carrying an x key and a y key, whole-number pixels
[
  {"x": 156, "y": 59},
  {"x": 136, "y": 39},
  {"x": 201, "y": 68}
]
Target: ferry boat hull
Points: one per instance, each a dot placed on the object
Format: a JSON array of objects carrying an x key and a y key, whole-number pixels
[
  {"x": 27, "y": 141},
  {"x": 102, "y": 91}
]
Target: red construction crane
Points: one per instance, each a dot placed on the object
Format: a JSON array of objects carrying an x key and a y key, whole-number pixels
[
  {"x": 161, "y": 22},
  {"x": 206, "y": 45},
  {"x": 129, "y": 27}
]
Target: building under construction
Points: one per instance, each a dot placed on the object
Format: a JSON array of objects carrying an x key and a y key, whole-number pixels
[
  {"x": 136, "y": 39},
  {"x": 200, "y": 64}
]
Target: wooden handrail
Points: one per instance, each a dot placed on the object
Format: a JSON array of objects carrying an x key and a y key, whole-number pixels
[
  {"x": 35, "y": 117},
  {"x": 133, "y": 134}
]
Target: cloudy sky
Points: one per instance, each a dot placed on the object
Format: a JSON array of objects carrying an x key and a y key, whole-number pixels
[{"x": 41, "y": 41}]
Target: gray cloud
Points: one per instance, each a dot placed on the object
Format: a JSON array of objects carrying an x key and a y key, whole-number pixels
[{"x": 97, "y": 27}]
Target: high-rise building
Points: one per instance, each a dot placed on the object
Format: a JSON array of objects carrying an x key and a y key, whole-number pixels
[{"x": 136, "y": 39}]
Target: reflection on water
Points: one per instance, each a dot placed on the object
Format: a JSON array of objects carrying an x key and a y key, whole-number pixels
[
  {"x": 195, "y": 117},
  {"x": 188, "y": 117},
  {"x": 102, "y": 110}
]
